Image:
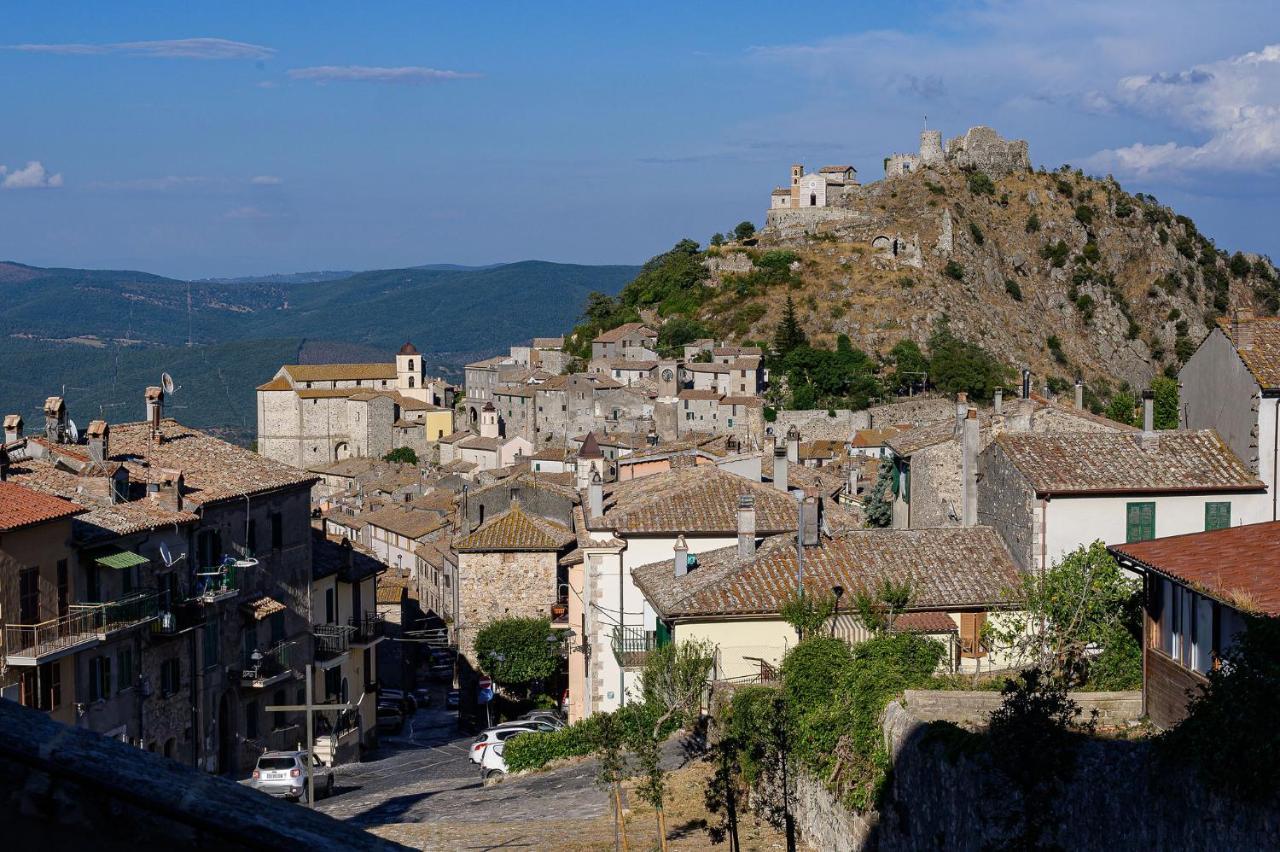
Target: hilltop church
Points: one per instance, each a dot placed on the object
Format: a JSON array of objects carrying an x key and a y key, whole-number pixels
[{"x": 312, "y": 414}]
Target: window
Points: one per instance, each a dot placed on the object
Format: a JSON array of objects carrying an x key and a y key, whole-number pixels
[
  {"x": 277, "y": 531},
  {"x": 1140, "y": 521},
  {"x": 1217, "y": 516},
  {"x": 328, "y": 606},
  {"x": 64, "y": 588},
  {"x": 170, "y": 676},
  {"x": 1186, "y": 626},
  {"x": 51, "y": 686},
  {"x": 99, "y": 678},
  {"x": 124, "y": 669},
  {"x": 29, "y": 596},
  {"x": 209, "y": 547},
  {"x": 332, "y": 682}
]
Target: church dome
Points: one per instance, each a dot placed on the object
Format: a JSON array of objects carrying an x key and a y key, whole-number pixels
[{"x": 408, "y": 349}]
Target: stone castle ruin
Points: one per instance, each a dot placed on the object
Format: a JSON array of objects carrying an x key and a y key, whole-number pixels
[{"x": 832, "y": 196}]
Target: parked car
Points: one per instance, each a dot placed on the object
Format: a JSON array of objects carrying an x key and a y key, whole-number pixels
[
  {"x": 441, "y": 672},
  {"x": 451, "y": 699},
  {"x": 408, "y": 705},
  {"x": 541, "y": 725},
  {"x": 422, "y": 695},
  {"x": 492, "y": 764},
  {"x": 544, "y": 716},
  {"x": 390, "y": 719},
  {"x": 495, "y": 735},
  {"x": 284, "y": 774}
]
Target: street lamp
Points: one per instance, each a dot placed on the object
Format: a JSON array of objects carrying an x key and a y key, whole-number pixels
[{"x": 838, "y": 591}]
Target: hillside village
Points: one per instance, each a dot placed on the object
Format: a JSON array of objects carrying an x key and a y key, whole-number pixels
[{"x": 886, "y": 420}]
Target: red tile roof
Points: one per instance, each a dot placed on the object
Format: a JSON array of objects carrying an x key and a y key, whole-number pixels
[
  {"x": 22, "y": 507},
  {"x": 1236, "y": 565}
]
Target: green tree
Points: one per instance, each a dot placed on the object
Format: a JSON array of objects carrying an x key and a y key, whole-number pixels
[
  {"x": 744, "y": 230},
  {"x": 672, "y": 282},
  {"x": 877, "y": 508},
  {"x": 612, "y": 767},
  {"x": 957, "y": 365},
  {"x": 678, "y": 331},
  {"x": 789, "y": 335},
  {"x": 717, "y": 239},
  {"x": 516, "y": 654},
  {"x": 404, "y": 455},
  {"x": 909, "y": 365},
  {"x": 1121, "y": 407},
  {"x": 806, "y": 611},
  {"x": 1166, "y": 402}
]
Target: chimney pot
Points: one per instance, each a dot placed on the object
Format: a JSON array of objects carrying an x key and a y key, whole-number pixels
[
  {"x": 997, "y": 402},
  {"x": 1242, "y": 328},
  {"x": 1080, "y": 394},
  {"x": 809, "y": 521},
  {"x": 780, "y": 468},
  {"x": 1026, "y": 383},
  {"x": 98, "y": 435},
  {"x": 680, "y": 558},
  {"x": 1148, "y": 412},
  {"x": 12, "y": 428},
  {"x": 969, "y": 469},
  {"x": 746, "y": 526}
]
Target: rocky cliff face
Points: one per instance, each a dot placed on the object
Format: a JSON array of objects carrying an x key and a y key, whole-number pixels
[{"x": 1063, "y": 273}]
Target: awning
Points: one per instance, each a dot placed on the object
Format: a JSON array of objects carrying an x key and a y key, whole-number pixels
[
  {"x": 120, "y": 559},
  {"x": 263, "y": 607}
]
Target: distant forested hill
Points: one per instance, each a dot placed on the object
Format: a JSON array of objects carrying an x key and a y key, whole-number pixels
[{"x": 107, "y": 334}]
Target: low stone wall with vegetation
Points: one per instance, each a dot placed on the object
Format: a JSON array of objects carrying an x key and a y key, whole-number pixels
[{"x": 1114, "y": 709}]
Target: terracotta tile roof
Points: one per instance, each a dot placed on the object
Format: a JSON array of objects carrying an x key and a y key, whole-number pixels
[
  {"x": 1236, "y": 565},
  {"x": 748, "y": 401},
  {"x": 873, "y": 437},
  {"x": 548, "y": 342},
  {"x": 475, "y": 442},
  {"x": 693, "y": 500},
  {"x": 411, "y": 523},
  {"x": 781, "y": 192},
  {"x": 339, "y": 372},
  {"x": 625, "y": 364},
  {"x": 459, "y": 466},
  {"x": 553, "y": 454},
  {"x": 329, "y": 555},
  {"x": 353, "y": 466},
  {"x": 516, "y": 529},
  {"x": 953, "y": 567},
  {"x": 391, "y": 589},
  {"x": 327, "y": 393},
  {"x": 747, "y": 362},
  {"x": 549, "y": 482},
  {"x": 694, "y": 367},
  {"x": 830, "y": 169},
  {"x": 279, "y": 383},
  {"x": 736, "y": 350},
  {"x": 590, "y": 448},
  {"x": 23, "y": 507},
  {"x": 912, "y": 441},
  {"x": 924, "y": 622},
  {"x": 1263, "y": 356},
  {"x": 454, "y": 437},
  {"x": 689, "y": 393},
  {"x": 625, "y": 330},
  {"x": 1092, "y": 462}
]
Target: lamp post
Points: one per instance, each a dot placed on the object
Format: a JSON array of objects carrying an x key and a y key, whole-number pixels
[{"x": 838, "y": 591}]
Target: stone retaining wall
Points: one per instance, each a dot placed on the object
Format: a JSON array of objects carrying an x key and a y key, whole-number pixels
[{"x": 973, "y": 708}]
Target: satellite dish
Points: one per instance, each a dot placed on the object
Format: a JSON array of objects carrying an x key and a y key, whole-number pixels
[
  {"x": 72, "y": 432},
  {"x": 166, "y": 384},
  {"x": 166, "y": 554}
]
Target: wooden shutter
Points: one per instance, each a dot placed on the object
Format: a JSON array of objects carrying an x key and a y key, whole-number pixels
[
  {"x": 971, "y": 624},
  {"x": 1217, "y": 516},
  {"x": 1140, "y": 521}
]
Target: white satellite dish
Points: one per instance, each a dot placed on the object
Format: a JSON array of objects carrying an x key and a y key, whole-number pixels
[
  {"x": 166, "y": 384},
  {"x": 167, "y": 555},
  {"x": 72, "y": 432}
]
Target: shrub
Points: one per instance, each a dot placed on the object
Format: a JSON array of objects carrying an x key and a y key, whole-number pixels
[
  {"x": 1123, "y": 208},
  {"x": 1084, "y": 214},
  {"x": 1055, "y": 253},
  {"x": 1055, "y": 349},
  {"x": 980, "y": 184},
  {"x": 535, "y": 750},
  {"x": 515, "y": 651},
  {"x": 954, "y": 270},
  {"x": 404, "y": 455},
  {"x": 1064, "y": 189},
  {"x": 1090, "y": 252},
  {"x": 1011, "y": 287},
  {"x": 810, "y": 671},
  {"x": 974, "y": 231},
  {"x": 1033, "y": 223}
]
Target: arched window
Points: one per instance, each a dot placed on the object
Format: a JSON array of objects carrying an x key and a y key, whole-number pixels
[
  {"x": 411, "y": 381},
  {"x": 813, "y": 199},
  {"x": 410, "y": 363}
]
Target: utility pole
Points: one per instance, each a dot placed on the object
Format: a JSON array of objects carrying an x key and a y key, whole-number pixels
[{"x": 310, "y": 708}]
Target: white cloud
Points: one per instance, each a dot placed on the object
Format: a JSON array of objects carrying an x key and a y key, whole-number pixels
[
  {"x": 371, "y": 74},
  {"x": 1232, "y": 104},
  {"x": 183, "y": 48},
  {"x": 154, "y": 184},
  {"x": 30, "y": 176},
  {"x": 265, "y": 180},
  {"x": 246, "y": 212}
]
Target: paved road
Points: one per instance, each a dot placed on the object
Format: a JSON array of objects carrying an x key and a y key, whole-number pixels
[{"x": 423, "y": 775}]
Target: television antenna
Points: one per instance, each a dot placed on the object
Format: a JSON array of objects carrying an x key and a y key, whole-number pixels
[{"x": 72, "y": 432}]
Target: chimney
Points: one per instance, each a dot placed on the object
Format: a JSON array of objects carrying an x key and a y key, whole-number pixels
[
  {"x": 680, "y": 558},
  {"x": 746, "y": 526},
  {"x": 1148, "y": 413},
  {"x": 997, "y": 401},
  {"x": 962, "y": 406},
  {"x": 1079, "y": 393},
  {"x": 809, "y": 521},
  {"x": 12, "y": 428},
  {"x": 1242, "y": 328},
  {"x": 166, "y": 489},
  {"x": 855, "y": 474},
  {"x": 99, "y": 435},
  {"x": 595, "y": 495},
  {"x": 793, "y": 445},
  {"x": 1026, "y": 383},
  {"x": 969, "y": 469},
  {"x": 780, "y": 468},
  {"x": 347, "y": 554},
  {"x": 55, "y": 419},
  {"x": 652, "y": 438}
]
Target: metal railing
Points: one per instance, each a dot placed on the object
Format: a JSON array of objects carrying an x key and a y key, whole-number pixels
[
  {"x": 262, "y": 667},
  {"x": 332, "y": 640},
  {"x": 631, "y": 646},
  {"x": 216, "y": 582},
  {"x": 83, "y": 623},
  {"x": 177, "y": 618},
  {"x": 367, "y": 628},
  {"x": 560, "y": 612}
]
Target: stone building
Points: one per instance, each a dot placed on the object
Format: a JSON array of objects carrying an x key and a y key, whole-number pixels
[
  {"x": 309, "y": 414},
  {"x": 508, "y": 567},
  {"x": 633, "y": 341},
  {"x": 822, "y": 188},
  {"x": 209, "y": 546},
  {"x": 980, "y": 148}
]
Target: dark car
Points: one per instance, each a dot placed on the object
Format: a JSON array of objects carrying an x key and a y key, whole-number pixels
[
  {"x": 390, "y": 719},
  {"x": 423, "y": 696},
  {"x": 451, "y": 699}
]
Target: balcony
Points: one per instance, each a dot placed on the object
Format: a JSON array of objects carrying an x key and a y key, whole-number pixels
[
  {"x": 266, "y": 668},
  {"x": 219, "y": 582},
  {"x": 84, "y": 626},
  {"x": 177, "y": 619},
  {"x": 560, "y": 613},
  {"x": 332, "y": 641},
  {"x": 631, "y": 646},
  {"x": 367, "y": 629}
]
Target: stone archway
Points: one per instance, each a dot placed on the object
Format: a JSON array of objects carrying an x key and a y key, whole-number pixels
[{"x": 341, "y": 450}]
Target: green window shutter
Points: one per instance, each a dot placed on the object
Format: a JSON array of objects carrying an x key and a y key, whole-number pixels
[
  {"x": 1140, "y": 521},
  {"x": 1217, "y": 516},
  {"x": 663, "y": 634}
]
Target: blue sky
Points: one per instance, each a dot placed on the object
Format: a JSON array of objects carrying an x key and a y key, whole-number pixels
[{"x": 237, "y": 138}]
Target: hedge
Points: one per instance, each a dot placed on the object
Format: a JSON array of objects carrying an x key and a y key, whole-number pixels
[{"x": 536, "y": 750}]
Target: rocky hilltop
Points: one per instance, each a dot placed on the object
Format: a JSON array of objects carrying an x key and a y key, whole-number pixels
[{"x": 1064, "y": 273}]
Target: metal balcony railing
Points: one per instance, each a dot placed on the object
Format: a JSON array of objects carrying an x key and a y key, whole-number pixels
[
  {"x": 28, "y": 644},
  {"x": 332, "y": 640},
  {"x": 367, "y": 628},
  {"x": 263, "y": 668},
  {"x": 631, "y": 646},
  {"x": 216, "y": 583},
  {"x": 176, "y": 619}
]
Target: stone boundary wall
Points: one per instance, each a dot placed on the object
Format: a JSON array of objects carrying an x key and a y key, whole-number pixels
[
  {"x": 973, "y": 708},
  {"x": 818, "y": 425},
  {"x": 1118, "y": 798}
]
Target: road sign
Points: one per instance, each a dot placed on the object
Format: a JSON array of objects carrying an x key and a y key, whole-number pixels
[{"x": 484, "y": 691}]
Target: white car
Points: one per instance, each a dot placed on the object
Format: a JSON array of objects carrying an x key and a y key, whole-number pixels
[
  {"x": 543, "y": 716},
  {"x": 496, "y": 735},
  {"x": 493, "y": 765}
]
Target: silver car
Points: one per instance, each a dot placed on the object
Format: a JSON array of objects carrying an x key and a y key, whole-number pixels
[{"x": 284, "y": 774}]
